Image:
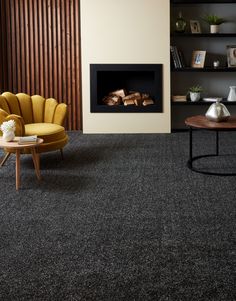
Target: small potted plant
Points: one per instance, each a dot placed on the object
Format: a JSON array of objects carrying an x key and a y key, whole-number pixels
[
  {"x": 214, "y": 22},
  {"x": 195, "y": 92}
]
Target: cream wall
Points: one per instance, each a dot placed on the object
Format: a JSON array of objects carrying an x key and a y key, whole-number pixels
[{"x": 128, "y": 32}]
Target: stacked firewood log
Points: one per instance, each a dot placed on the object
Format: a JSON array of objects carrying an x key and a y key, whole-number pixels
[{"x": 122, "y": 97}]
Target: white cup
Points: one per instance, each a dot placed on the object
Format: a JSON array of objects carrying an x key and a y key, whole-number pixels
[{"x": 216, "y": 64}]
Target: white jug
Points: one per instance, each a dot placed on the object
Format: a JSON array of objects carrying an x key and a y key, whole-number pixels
[{"x": 232, "y": 94}]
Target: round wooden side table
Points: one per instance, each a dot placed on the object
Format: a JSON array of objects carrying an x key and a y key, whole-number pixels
[
  {"x": 17, "y": 150},
  {"x": 202, "y": 123}
]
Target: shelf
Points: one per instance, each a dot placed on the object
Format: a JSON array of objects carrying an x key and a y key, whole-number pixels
[
  {"x": 215, "y": 79},
  {"x": 201, "y": 1},
  {"x": 206, "y": 69},
  {"x": 202, "y": 35},
  {"x": 200, "y": 103}
]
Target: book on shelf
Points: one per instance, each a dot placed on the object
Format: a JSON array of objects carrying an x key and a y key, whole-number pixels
[
  {"x": 28, "y": 139},
  {"x": 174, "y": 57},
  {"x": 177, "y": 57},
  {"x": 182, "y": 60},
  {"x": 180, "y": 98}
]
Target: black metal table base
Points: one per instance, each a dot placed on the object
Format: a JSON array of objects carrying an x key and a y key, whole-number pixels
[{"x": 195, "y": 158}]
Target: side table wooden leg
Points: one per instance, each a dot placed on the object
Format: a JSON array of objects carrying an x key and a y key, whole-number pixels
[
  {"x": 17, "y": 169},
  {"x": 5, "y": 159},
  {"x": 36, "y": 159}
]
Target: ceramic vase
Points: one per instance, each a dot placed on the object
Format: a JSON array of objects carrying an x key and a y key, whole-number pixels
[
  {"x": 214, "y": 28},
  {"x": 217, "y": 112},
  {"x": 232, "y": 93},
  {"x": 195, "y": 96},
  {"x": 180, "y": 24},
  {"x": 8, "y": 136}
]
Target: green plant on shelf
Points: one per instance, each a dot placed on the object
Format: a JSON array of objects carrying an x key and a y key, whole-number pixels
[
  {"x": 213, "y": 20},
  {"x": 195, "y": 89}
]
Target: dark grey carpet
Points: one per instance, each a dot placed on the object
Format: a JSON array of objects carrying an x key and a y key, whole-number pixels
[{"x": 121, "y": 218}]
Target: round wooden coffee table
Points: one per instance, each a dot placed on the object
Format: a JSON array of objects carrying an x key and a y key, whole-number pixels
[
  {"x": 16, "y": 148},
  {"x": 202, "y": 123}
]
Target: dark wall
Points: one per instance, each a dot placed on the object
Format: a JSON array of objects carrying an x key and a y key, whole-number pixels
[{"x": 40, "y": 51}]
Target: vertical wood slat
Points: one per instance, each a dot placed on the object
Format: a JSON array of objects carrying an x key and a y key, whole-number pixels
[
  {"x": 54, "y": 43},
  {"x": 27, "y": 48},
  {"x": 45, "y": 46},
  {"x": 18, "y": 43},
  {"x": 40, "y": 51},
  {"x": 59, "y": 50},
  {"x": 50, "y": 50},
  {"x": 68, "y": 56},
  {"x": 13, "y": 45},
  {"x": 8, "y": 57},
  {"x": 31, "y": 45},
  {"x": 63, "y": 55},
  {"x": 22, "y": 45},
  {"x": 2, "y": 46},
  {"x": 36, "y": 47},
  {"x": 72, "y": 26},
  {"x": 41, "y": 48}
]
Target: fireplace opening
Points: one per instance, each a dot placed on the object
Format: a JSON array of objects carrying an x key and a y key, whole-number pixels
[{"x": 126, "y": 88}]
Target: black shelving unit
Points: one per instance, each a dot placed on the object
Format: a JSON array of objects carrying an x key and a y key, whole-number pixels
[
  {"x": 201, "y": 1},
  {"x": 183, "y": 41},
  {"x": 203, "y": 35},
  {"x": 205, "y": 69},
  {"x": 201, "y": 103}
]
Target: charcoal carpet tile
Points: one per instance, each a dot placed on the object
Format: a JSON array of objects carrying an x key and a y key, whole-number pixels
[{"x": 120, "y": 218}]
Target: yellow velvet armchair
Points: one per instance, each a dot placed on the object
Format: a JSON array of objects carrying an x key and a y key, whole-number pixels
[{"x": 35, "y": 115}]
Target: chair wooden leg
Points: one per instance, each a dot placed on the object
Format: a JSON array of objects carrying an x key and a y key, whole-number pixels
[
  {"x": 5, "y": 159},
  {"x": 62, "y": 155},
  {"x": 36, "y": 161}
]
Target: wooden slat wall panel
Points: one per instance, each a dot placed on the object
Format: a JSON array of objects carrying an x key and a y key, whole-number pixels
[
  {"x": 40, "y": 51},
  {"x": 2, "y": 48}
]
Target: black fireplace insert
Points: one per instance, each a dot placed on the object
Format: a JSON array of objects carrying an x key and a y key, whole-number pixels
[{"x": 144, "y": 78}]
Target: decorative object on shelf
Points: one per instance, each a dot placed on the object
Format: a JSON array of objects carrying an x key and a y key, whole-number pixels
[
  {"x": 195, "y": 26},
  {"x": 179, "y": 98},
  {"x": 232, "y": 93},
  {"x": 216, "y": 64},
  {"x": 180, "y": 24},
  {"x": 195, "y": 92},
  {"x": 214, "y": 22},
  {"x": 177, "y": 57},
  {"x": 198, "y": 59},
  {"x": 8, "y": 129},
  {"x": 217, "y": 112},
  {"x": 231, "y": 56},
  {"x": 212, "y": 99}
]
